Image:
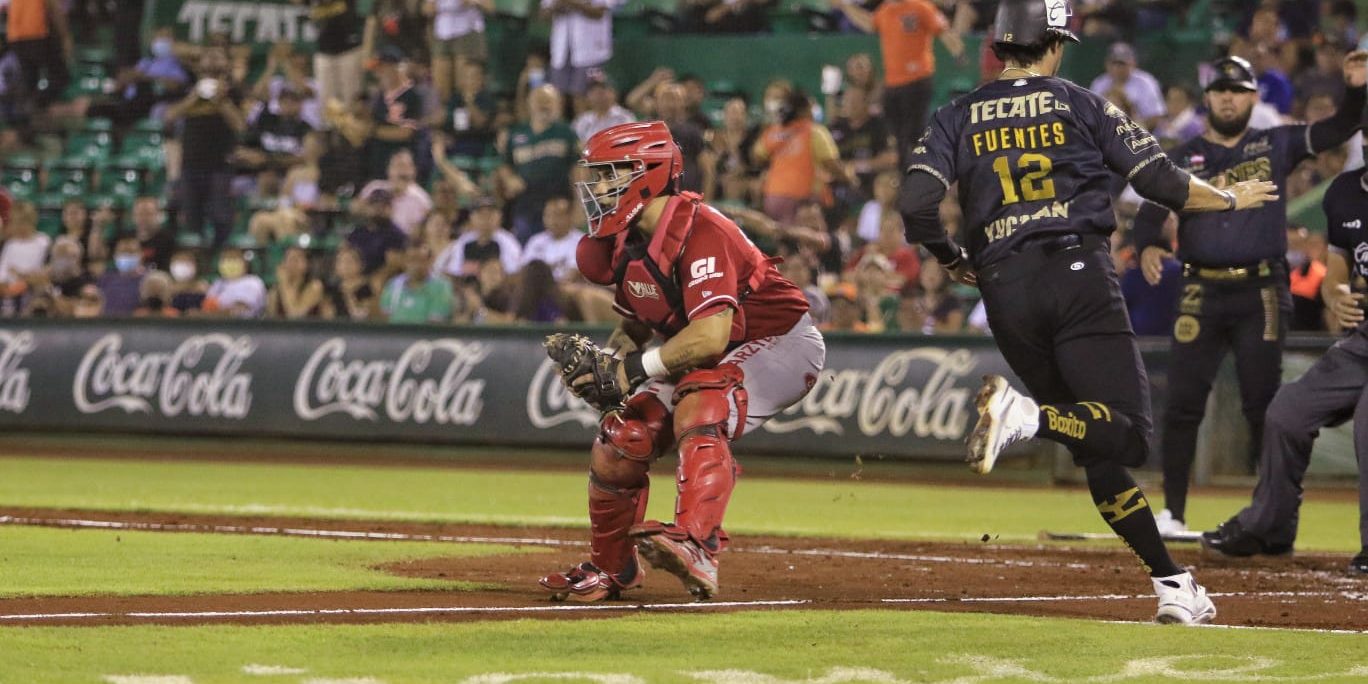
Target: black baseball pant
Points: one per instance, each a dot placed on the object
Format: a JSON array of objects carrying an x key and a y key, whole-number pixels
[
  {"x": 1248, "y": 318},
  {"x": 1334, "y": 390}
]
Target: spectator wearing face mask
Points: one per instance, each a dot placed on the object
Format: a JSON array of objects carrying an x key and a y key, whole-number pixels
[
  {"x": 410, "y": 203},
  {"x": 154, "y": 297},
  {"x": 187, "y": 288},
  {"x": 146, "y": 88},
  {"x": 210, "y": 121},
  {"x": 121, "y": 287},
  {"x": 418, "y": 295},
  {"x": 236, "y": 293}
]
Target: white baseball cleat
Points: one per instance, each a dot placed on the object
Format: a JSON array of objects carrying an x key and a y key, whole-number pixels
[
  {"x": 1182, "y": 601},
  {"x": 1006, "y": 417},
  {"x": 1169, "y": 526}
]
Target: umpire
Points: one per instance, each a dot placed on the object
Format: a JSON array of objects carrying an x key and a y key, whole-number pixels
[
  {"x": 1235, "y": 288},
  {"x": 1031, "y": 154},
  {"x": 1334, "y": 390}
]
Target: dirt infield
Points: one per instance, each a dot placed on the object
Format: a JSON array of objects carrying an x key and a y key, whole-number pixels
[{"x": 756, "y": 573}]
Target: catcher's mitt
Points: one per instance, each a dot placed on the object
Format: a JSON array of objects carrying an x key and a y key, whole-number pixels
[{"x": 578, "y": 357}]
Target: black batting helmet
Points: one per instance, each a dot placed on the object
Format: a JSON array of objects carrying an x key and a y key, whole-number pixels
[{"x": 1029, "y": 22}]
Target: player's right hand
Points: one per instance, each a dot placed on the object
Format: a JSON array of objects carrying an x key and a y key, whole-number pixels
[
  {"x": 1347, "y": 307},
  {"x": 964, "y": 274},
  {"x": 1152, "y": 264},
  {"x": 1252, "y": 194}
]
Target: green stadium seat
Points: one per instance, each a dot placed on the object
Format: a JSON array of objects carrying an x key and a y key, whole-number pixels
[
  {"x": 20, "y": 170},
  {"x": 94, "y": 146},
  {"x": 98, "y": 125},
  {"x": 137, "y": 140},
  {"x": 21, "y": 191},
  {"x": 69, "y": 176},
  {"x": 149, "y": 126}
]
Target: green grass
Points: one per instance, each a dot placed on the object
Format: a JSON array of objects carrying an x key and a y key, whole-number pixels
[
  {"x": 837, "y": 508},
  {"x": 788, "y": 646},
  {"x": 50, "y": 562}
]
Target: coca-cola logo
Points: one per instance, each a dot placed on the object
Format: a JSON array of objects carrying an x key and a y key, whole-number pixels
[
  {"x": 14, "y": 381},
  {"x": 881, "y": 402},
  {"x": 549, "y": 403},
  {"x": 191, "y": 379},
  {"x": 429, "y": 382}
]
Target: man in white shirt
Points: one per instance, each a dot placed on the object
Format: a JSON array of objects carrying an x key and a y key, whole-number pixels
[
  {"x": 603, "y": 111},
  {"x": 26, "y": 250},
  {"x": 411, "y": 203},
  {"x": 555, "y": 245},
  {"x": 581, "y": 41},
  {"x": 482, "y": 241},
  {"x": 1141, "y": 88}
]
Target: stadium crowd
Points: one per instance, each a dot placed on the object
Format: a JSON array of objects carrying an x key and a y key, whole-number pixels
[{"x": 385, "y": 177}]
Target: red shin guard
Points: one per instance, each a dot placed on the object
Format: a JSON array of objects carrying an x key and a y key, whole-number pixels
[
  {"x": 707, "y": 472},
  {"x": 628, "y": 441},
  {"x": 613, "y": 511}
]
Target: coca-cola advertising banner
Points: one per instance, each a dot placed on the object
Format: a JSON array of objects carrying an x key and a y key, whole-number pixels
[{"x": 899, "y": 396}]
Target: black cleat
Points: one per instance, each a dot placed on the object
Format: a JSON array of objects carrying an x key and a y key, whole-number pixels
[
  {"x": 1230, "y": 540},
  {"x": 1359, "y": 565}
]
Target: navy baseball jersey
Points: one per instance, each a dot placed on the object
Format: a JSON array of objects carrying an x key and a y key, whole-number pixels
[
  {"x": 1032, "y": 156},
  {"x": 1346, "y": 213},
  {"x": 1233, "y": 238}
]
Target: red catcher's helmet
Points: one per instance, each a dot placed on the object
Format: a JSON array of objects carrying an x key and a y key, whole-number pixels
[{"x": 636, "y": 162}]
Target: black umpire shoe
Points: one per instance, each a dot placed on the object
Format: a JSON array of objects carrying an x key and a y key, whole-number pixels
[
  {"x": 1359, "y": 565},
  {"x": 1230, "y": 539}
]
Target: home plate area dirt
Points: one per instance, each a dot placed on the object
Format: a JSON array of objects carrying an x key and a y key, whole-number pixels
[{"x": 1309, "y": 591}]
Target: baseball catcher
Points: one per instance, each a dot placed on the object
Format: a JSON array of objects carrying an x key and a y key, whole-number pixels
[{"x": 739, "y": 347}]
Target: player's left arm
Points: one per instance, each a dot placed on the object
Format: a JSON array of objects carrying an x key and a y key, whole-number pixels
[
  {"x": 1334, "y": 131},
  {"x": 919, "y": 197}
]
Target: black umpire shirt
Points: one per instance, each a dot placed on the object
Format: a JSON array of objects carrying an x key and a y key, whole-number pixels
[
  {"x": 1034, "y": 157},
  {"x": 1246, "y": 237},
  {"x": 1346, "y": 218}
]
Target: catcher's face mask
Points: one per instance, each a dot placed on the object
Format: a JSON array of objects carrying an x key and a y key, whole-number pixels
[{"x": 601, "y": 196}]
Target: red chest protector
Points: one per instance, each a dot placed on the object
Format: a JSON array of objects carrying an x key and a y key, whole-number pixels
[{"x": 645, "y": 272}]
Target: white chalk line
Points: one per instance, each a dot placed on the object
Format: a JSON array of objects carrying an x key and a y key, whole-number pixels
[
  {"x": 302, "y": 612},
  {"x": 1111, "y": 597},
  {"x": 514, "y": 541}
]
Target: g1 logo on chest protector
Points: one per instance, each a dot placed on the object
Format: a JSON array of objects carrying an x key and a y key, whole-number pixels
[{"x": 1361, "y": 259}]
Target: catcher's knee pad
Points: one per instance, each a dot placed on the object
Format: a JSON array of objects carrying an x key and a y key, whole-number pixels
[
  {"x": 706, "y": 397},
  {"x": 706, "y": 472},
  {"x": 639, "y": 432},
  {"x": 613, "y": 510}
]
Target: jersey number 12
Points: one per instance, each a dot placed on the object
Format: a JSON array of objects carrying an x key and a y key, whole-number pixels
[{"x": 1035, "y": 185}]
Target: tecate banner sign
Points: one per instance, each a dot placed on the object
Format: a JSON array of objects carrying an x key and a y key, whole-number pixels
[{"x": 897, "y": 396}]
